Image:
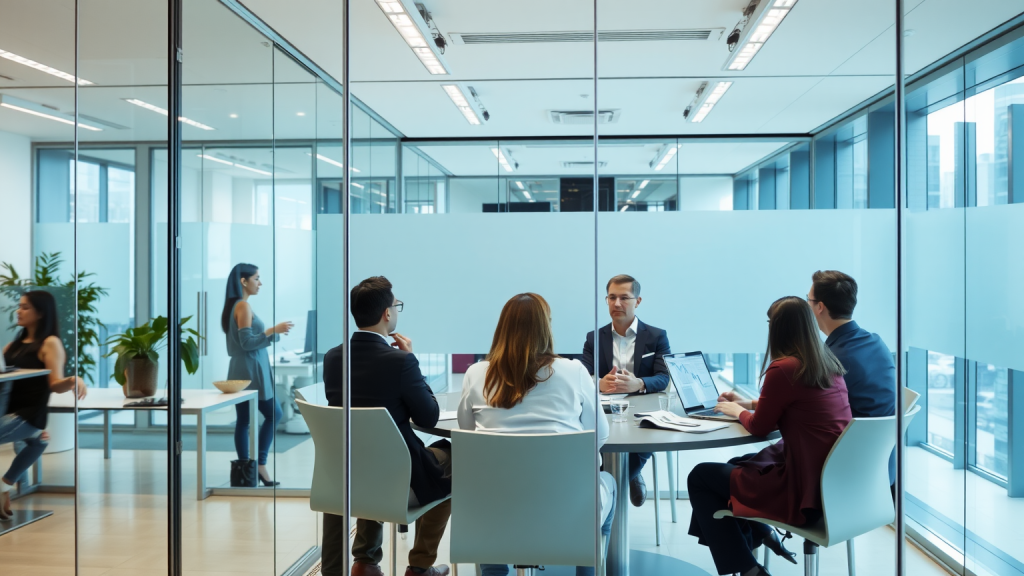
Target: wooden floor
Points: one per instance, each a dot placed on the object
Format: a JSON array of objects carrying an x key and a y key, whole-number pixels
[{"x": 122, "y": 528}]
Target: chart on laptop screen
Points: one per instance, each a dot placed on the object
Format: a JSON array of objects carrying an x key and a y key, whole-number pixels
[{"x": 693, "y": 380}]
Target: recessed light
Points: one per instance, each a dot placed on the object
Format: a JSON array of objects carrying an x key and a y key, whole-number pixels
[
  {"x": 300, "y": 114},
  {"x": 233, "y": 115}
]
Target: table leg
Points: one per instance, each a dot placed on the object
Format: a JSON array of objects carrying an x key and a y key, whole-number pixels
[
  {"x": 201, "y": 455},
  {"x": 673, "y": 490},
  {"x": 253, "y": 426},
  {"x": 108, "y": 431},
  {"x": 617, "y": 464}
]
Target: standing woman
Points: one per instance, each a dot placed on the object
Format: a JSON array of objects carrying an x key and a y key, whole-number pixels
[
  {"x": 247, "y": 346},
  {"x": 804, "y": 397},
  {"x": 23, "y": 403}
]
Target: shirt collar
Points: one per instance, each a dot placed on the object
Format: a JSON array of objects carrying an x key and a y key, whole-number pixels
[
  {"x": 841, "y": 331},
  {"x": 378, "y": 334},
  {"x": 634, "y": 328}
]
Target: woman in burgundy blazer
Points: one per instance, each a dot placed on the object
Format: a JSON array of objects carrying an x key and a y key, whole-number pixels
[{"x": 803, "y": 395}]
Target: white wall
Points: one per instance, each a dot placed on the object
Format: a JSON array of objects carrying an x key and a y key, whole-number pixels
[
  {"x": 705, "y": 193},
  {"x": 16, "y": 211},
  {"x": 707, "y": 277},
  {"x": 468, "y": 195}
]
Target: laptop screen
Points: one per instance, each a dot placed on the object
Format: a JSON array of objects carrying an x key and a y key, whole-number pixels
[{"x": 693, "y": 381}]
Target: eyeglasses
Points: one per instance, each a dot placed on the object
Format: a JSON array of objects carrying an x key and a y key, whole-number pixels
[
  {"x": 809, "y": 299},
  {"x": 612, "y": 298},
  {"x": 398, "y": 305}
]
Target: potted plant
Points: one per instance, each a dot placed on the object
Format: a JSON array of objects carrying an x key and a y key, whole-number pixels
[{"x": 137, "y": 351}]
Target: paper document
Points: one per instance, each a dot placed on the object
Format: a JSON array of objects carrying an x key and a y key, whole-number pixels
[
  {"x": 666, "y": 420},
  {"x": 448, "y": 415}
]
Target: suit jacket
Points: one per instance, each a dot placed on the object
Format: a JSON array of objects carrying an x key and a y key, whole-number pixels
[
  {"x": 385, "y": 377},
  {"x": 651, "y": 369},
  {"x": 870, "y": 374}
]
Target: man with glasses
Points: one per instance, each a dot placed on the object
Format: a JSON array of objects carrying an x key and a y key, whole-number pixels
[
  {"x": 387, "y": 375},
  {"x": 631, "y": 360}
]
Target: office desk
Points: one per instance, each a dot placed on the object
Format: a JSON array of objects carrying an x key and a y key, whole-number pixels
[
  {"x": 196, "y": 402},
  {"x": 623, "y": 439},
  {"x": 20, "y": 374},
  {"x": 287, "y": 367}
]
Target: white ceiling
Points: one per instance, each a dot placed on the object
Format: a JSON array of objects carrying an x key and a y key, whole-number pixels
[{"x": 825, "y": 58}]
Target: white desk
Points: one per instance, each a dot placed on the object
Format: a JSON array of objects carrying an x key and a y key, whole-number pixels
[
  {"x": 22, "y": 373},
  {"x": 286, "y": 373},
  {"x": 196, "y": 402}
]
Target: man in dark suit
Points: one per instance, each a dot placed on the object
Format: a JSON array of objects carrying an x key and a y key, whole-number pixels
[
  {"x": 387, "y": 375},
  {"x": 631, "y": 360},
  {"x": 870, "y": 371}
]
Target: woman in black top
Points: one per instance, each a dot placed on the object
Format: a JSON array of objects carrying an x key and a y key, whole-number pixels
[{"x": 23, "y": 403}]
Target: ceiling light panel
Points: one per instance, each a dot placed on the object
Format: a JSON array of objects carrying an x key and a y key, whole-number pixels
[
  {"x": 41, "y": 111},
  {"x": 704, "y": 101},
  {"x": 43, "y": 68},
  {"x": 751, "y": 33},
  {"x": 664, "y": 156},
  {"x": 160, "y": 110},
  {"x": 410, "y": 25},
  {"x": 460, "y": 97},
  {"x": 505, "y": 159},
  {"x": 236, "y": 165}
]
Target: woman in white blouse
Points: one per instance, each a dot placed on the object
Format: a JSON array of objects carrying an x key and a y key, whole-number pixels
[{"x": 525, "y": 388}]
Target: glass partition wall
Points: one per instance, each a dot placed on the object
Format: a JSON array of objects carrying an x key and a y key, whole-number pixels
[{"x": 720, "y": 154}]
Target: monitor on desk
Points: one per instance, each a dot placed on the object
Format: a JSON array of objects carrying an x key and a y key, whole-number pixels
[{"x": 310, "y": 332}]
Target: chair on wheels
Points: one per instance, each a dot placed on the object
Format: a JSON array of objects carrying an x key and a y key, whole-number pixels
[
  {"x": 381, "y": 468},
  {"x": 855, "y": 495},
  {"x": 502, "y": 511}
]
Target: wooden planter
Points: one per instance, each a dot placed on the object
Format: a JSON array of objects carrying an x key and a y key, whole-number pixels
[{"x": 140, "y": 378}]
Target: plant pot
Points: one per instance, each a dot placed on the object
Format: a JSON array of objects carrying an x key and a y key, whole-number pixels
[{"x": 140, "y": 378}]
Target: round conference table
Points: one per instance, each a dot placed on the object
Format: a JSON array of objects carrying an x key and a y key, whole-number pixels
[{"x": 624, "y": 438}]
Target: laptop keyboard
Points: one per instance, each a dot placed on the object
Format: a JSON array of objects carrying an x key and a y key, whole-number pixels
[{"x": 707, "y": 412}]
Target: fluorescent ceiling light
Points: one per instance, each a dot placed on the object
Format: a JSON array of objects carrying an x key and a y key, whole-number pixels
[
  {"x": 236, "y": 165},
  {"x": 760, "y": 19},
  {"x": 405, "y": 17},
  {"x": 624, "y": 207},
  {"x": 42, "y": 112},
  {"x": 520, "y": 184},
  {"x": 644, "y": 184},
  {"x": 527, "y": 194},
  {"x": 42, "y": 68},
  {"x": 330, "y": 161},
  {"x": 705, "y": 99},
  {"x": 663, "y": 157},
  {"x": 462, "y": 98},
  {"x": 160, "y": 110},
  {"x": 635, "y": 194},
  {"x": 358, "y": 185},
  {"x": 505, "y": 159}
]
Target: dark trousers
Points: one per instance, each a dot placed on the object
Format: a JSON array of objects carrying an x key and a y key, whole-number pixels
[
  {"x": 368, "y": 545},
  {"x": 271, "y": 416},
  {"x": 731, "y": 540},
  {"x": 637, "y": 461}
]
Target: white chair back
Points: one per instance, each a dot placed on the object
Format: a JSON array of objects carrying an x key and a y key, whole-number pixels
[
  {"x": 524, "y": 499},
  {"x": 381, "y": 468},
  {"x": 855, "y": 480},
  {"x": 910, "y": 398}
]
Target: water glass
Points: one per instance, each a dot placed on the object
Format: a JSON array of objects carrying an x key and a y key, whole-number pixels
[
  {"x": 619, "y": 410},
  {"x": 663, "y": 402}
]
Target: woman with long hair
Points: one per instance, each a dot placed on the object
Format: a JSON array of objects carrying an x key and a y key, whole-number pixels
[
  {"x": 247, "y": 341},
  {"x": 525, "y": 388},
  {"x": 804, "y": 397},
  {"x": 24, "y": 402}
]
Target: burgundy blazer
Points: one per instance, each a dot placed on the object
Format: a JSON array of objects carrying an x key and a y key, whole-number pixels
[{"x": 784, "y": 480}]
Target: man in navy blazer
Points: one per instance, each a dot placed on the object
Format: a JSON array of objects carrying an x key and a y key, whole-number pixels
[
  {"x": 870, "y": 371},
  {"x": 387, "y": 375},
  {"x": 631, "y": 360}
]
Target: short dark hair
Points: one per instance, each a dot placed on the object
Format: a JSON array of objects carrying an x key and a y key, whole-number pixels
[
  {"x": 622, "y": 279},
  {"x": 837, "y": 291},
  {"x": 370, "y": 298}
]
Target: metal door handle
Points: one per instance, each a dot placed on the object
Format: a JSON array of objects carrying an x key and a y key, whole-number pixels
[
  {"x": 206, "y": 324},
  {"x": 199, "y": 319}
]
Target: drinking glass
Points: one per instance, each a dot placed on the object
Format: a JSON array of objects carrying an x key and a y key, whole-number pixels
[{"x": 619, "y": 409}]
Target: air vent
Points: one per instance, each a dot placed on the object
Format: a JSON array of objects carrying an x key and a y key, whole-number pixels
[
  {"x": 583, "y": 116},
  {"x": 698, "y": 34},
  {"x": 583, "y": 164}
]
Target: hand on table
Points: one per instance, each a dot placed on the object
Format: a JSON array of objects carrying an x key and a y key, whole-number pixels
[{"x": 620, "y": 382}]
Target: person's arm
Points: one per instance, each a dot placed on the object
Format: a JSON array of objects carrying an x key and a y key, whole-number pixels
[
  {"x": 51, "y": 353},
  {"x": 416, "y": 395},
  {"x": 250, "y": 340},
  {"x": 776, "y": 396},
  {"x": 465, "y": 411},
  {"x": 658, "y": 382},
  {"x": 588, "y": 354},
  {"x": 590, "y": 419}
]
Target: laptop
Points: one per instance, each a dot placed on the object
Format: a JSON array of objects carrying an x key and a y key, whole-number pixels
[
  {"x": 4, "y": 368},
  {"x": 692, "y": 380}
]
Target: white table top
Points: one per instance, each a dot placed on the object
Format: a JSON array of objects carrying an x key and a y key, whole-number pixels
[
  {"x": 294, "y": 361},
  {"x": 20, "y": 374},
  {"x": 196, "y": 401}
]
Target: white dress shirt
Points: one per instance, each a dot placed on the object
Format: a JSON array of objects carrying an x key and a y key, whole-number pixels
[{"x": 623, "y": 347}]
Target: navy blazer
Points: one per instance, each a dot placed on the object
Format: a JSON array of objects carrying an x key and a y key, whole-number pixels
[
  {"x": 870, "y": 374},
  {"x": 651, "y": 369},
  {"x": 385, "y": 377}
]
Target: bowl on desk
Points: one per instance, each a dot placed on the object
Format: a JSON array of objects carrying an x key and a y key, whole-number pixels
[{"x": 231, "y": 386}]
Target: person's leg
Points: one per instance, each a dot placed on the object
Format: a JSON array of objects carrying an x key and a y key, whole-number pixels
[
  {"x": 708, "y": 487},
  {"x": 637, "y": 461},
  {"x": 637, "y": 487},
  {"x": 430, "y": 526},
  {"x": 332, "y": 549},
  {"x": 242, "y": 430},
  {"x": 369, "y": 541},
  {"x": 271, "y": 412},
  {"x": 14, "y": 429}
]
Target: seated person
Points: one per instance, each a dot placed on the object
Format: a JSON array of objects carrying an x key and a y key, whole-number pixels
[
  {"x": 387, "y": 375},
  {"x": 804, "y": 397},
  {"x": 632, "y": 361},
  {"x": 525, "y": 388}
]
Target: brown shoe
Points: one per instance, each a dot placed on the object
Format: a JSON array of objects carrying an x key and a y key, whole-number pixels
[
  {"x": 363, "y": 569},
  {"x": 439, "y": 570}
]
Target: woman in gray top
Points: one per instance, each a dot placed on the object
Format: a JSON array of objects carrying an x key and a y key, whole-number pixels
[{"x": 247, "y": 346}]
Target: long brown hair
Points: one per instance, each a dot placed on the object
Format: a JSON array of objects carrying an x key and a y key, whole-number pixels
[
  {"x": 523, "y": 344},
  {"x": 793, "y": 332}
]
